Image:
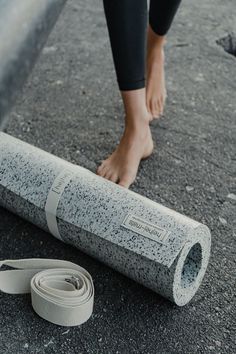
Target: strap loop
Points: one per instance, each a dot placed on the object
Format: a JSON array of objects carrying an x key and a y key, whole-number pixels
[{"x": 61, "y": 292}]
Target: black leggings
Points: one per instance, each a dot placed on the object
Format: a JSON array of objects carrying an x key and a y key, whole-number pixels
[{"x": 127, "y": 26}]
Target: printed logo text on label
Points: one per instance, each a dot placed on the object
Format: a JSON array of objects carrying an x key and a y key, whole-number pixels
[{"x": 145, "y": 228}]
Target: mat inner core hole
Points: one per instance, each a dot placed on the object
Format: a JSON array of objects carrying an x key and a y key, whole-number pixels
[{"x": 192, "y": 266}]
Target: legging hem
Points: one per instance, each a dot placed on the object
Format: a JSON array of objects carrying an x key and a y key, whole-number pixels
[
  {"x": 157, "y": 30},
  {"x": 134, "y": 85}
]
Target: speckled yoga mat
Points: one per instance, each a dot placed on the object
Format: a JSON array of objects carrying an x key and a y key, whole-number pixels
[{"x": 156, "y": 246}]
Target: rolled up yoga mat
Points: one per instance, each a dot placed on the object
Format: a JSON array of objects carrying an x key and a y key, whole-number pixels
[{"x": 156, "y": 246}]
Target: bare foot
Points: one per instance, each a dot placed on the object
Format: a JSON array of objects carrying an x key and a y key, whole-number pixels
[
  {"x": 156, "y": 88},
  {"x": 122, "y": 166}
]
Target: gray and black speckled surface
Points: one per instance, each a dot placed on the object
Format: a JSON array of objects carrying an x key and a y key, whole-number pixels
[{"x": 97, "y": 208}]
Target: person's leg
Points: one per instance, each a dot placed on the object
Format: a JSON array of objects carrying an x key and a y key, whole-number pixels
[
  {"x": 161, "y": 15},
  {"x": 127, "y": 25}
]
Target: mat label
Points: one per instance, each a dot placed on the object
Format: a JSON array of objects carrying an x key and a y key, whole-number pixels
[{"x": 145, "y": 228}]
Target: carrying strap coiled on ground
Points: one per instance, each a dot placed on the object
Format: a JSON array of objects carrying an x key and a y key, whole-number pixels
[{"x": 61, "y": 291}]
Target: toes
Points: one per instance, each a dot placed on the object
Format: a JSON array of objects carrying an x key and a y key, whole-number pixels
[
  {"x": 158, "y": 107},
  {"x": 102, "y": 170},
  {"x": 154, "y": 109},
  {"x": 99, "y": 170},
  {"x": 126, "y": 181},
  {"x": 114, "y": 178},
  {"x": 100, "y": 167},
  {"x": 164, "y": 97},
  {"x": 108, "y": 174},
  {"x": 161, "y": 105},
  {"x": 148, "y": 106}
]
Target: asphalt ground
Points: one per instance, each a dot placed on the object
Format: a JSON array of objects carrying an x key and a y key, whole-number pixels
[{"x": 71, "y": 107}]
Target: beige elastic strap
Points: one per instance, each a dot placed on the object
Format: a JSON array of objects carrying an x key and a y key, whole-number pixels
[
  {"x": 61, "y": 292},
  {"x": 53, "y": 200}
]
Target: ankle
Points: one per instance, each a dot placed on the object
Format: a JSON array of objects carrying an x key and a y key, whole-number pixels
[
  {"x": 156, "y": 54},
  {"x": 138, "y": 118},
  {"x": 155, "y": 39},
  {"x": 155, "y": 44},
  {"x": 138, "y": 127}
]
